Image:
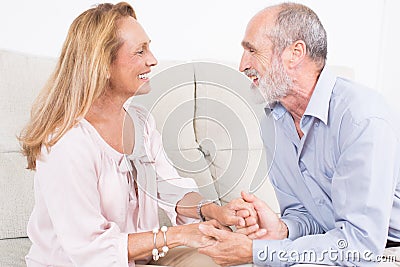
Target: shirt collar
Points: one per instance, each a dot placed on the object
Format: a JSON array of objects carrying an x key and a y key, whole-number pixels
[
  {"x": 276, "y": 109},
  {"x": 318, "y": 106}
]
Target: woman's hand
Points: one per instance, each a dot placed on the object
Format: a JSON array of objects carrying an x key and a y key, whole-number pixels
[
  {"x": 192, "y": 237},
  {"x": 229, "y": 248},
  {"x": 233, "y": 213}
]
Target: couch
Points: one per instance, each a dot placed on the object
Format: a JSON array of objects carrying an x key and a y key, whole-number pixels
[
  {"x": 209, "y": 126},
  {"x": 222, "y": 153}
]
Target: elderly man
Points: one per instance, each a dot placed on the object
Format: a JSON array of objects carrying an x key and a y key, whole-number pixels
[{"x": 336, "y": 163}]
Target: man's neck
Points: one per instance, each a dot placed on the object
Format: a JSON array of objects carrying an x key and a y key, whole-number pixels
[{"x": 297, "y": 100}]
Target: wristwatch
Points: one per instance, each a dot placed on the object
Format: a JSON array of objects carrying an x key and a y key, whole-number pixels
[{"x": 200, "y": 205}]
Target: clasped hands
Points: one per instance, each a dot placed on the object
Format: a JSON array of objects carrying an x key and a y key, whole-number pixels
[{"x": 252, "y": 218}]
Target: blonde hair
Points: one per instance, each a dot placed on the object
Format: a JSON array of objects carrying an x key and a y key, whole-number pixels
[{"x": 80, "y": 77}]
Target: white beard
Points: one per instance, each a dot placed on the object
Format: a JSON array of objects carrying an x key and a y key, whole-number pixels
[
  {"x": 255, "y": 94},
  {"x": 273, "y": 86}
]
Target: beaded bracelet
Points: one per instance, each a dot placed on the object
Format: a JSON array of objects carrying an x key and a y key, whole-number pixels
[
  {"x": 155, "y": 250},
  {"x": 165, "y": 249}
]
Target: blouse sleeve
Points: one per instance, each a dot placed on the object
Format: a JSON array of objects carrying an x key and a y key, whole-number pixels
[
  {"x": 67, "y": 177},
  {"x": 171, "y": 186}
]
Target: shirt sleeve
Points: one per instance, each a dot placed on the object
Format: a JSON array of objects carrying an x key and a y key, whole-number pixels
[
  {"x": 296, "y": 217},
  {"x": 362, "y": 195},
  {"x": 171, "y": 186},
  {"x": 67, "y": 178}
]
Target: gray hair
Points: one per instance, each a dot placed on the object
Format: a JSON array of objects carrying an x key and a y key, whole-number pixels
[{"x": 297, "y": 22}]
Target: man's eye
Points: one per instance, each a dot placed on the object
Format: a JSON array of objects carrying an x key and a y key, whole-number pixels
[
  {"x": 140, "y": 52},
  {"x": 251, "y": 50}
]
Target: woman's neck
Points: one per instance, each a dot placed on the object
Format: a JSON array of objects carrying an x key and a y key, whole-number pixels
[{"x": 108, "y": 116}]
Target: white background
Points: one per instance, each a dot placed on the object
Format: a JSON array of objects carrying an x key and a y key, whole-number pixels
[{"x": 362, "y": 35}]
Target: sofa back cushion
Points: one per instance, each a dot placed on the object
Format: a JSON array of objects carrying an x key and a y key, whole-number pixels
[
  {"x": 172, "y": 103},
  {"x": 21, "y": 78},
  {"x": 210, "y": 127}
]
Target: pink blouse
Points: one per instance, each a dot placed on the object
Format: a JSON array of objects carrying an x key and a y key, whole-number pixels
[{"x": 85, "y": 201}]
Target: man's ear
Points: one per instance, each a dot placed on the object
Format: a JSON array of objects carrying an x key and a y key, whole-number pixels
[{"x": 295, "y": 53}]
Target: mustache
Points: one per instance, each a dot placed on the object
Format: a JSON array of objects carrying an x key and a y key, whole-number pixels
[{"x": 251, "y": 72}]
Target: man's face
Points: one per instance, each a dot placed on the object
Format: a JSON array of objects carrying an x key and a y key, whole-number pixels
[{"x": 259, "y": 62}]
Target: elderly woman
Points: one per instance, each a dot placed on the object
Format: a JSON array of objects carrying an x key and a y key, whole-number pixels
[{"x": 101, "y": 171}]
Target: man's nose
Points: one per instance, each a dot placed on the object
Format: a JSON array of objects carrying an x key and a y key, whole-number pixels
[{"x": 244, "y": 63}]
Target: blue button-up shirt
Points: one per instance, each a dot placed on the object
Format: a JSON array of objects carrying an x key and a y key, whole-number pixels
[{"x": 338, "y": 186}]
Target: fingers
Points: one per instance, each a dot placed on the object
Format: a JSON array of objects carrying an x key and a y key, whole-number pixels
[
  {"x": 247, "y": 197},
  {"x": 232, "y": 218},
  {"x": 243, "y": 213},
  {"x": 229, "y": 213},
  {"x": 240, "y": 221},
  {"x": 248, "y": 221},
  {"x": 226, "y": 228},
  {"x": 218, "y": 225},
  {"x": 210, "y": 230},
  {"x": 257, "y": 203},
  {"x": 248, "y": 230},
  {"x": 251, "y": 221},
  {"x": 258, "y": 234},
  {"x": 240, "y": 204}
]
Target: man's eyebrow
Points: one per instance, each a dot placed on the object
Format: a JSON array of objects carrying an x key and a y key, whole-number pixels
[{"x": 247, "y": 45}]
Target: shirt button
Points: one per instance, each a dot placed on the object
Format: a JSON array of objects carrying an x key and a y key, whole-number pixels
[
  {"x": 304, "y": 120},
  {"x": 316, "y": 124},
  {"x": 302, "y": 166}
]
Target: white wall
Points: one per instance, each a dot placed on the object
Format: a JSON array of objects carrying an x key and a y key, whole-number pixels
[
  {"x": 389, "y": 70},
  {"x": 361, "y": 34}
]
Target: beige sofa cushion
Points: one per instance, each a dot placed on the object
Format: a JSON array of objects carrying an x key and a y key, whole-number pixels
[
  {"x": 21, "y": 77},
  {"x": 13, "y": 251},
  {"x": 171, "y": 102},
  {"x": 207, "y": 113},
  {"x": 16, "y": 197},
  {"x": 237, "y": 156}
]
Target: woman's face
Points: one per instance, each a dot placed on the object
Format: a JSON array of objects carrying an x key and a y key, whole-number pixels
[{"x": 133, "y": 62}]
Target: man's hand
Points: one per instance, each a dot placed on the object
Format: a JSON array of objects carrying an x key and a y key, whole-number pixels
[
  {"x": 229, "y": 248},
  {"x": 267, "y": 225},
  {"x": 233, "y": 213},
  {"x": 191, "y": 236}
]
